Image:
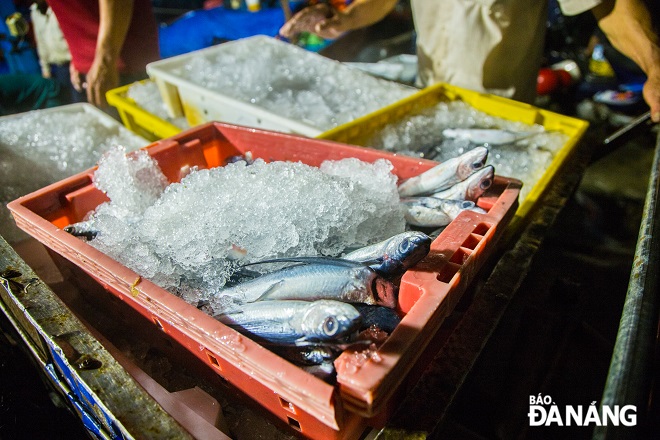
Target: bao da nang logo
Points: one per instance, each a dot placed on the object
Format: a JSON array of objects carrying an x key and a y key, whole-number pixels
[{"x": 544, "y": 412}]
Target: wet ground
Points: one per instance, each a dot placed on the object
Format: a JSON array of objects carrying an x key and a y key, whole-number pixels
[{"x": 29, "y": 409}]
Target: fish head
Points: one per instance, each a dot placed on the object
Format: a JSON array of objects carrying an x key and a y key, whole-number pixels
[
  {"x": 385, "y": 293},
  {"x": 328, "y": 320},
  {"x": 408, "y": 249},
  {"x": 480, "y": 182},
  {"x": 472, "y": 161},
  {"x": 454, "y": 207}
]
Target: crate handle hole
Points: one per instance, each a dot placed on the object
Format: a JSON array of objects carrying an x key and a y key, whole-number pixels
[
  {"x": 295, "y": 424},
  {"x": 287, "y": 405},
  {"x": 481, "y": 229},
  {"x": 460, "y": 256},
  {"x": 447, "y": 272}
]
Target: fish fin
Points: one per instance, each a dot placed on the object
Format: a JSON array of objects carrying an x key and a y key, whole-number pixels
[{"x": 268, "y": 291}]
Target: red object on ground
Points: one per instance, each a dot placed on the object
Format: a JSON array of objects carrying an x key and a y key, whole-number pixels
[{"x": 547, "y": 81}]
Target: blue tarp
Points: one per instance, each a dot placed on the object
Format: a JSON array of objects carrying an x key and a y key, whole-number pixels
[{"x": 203, "y": 28}]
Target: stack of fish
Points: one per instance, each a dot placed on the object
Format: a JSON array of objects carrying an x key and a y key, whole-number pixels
[
  {"x": 434, "y": 198},
  {"x": 309, "y": 312}
]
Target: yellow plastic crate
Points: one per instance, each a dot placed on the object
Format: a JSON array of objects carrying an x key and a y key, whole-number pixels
[
  {"x": 137, "y": 119},
  {"x": 362, "y": 129}
]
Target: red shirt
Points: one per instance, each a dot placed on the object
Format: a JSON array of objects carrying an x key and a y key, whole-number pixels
[{"x": 79, "y": 21}]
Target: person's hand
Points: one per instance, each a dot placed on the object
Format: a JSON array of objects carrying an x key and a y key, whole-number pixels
[
  {"x": 330, "y": 23},
  {"x": 102, "y": 76},
  {"x": 308, "y": 20},
  {"x": 74, "y": 75},
  {"x": 651, "y": 93}
]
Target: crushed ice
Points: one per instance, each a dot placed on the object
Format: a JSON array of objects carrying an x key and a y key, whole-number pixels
[
  {"x": 294, "y": 83},
  {"x": 45, "y": 146},
  {"x": 420, "y": 134},
  {"x": 185, "y": 239}
]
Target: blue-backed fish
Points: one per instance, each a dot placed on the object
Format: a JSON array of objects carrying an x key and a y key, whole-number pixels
[
  {"x": 314, "y": 278},
  {"x": 291, "y": 322},
  {"x": 395, "y": 255}
]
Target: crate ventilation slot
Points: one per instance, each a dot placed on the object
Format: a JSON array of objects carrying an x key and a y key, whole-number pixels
[
  {"x": 213, "y": 360},
  {"x": 295, "y": 424},
  {"x": 287, "y": 405}
]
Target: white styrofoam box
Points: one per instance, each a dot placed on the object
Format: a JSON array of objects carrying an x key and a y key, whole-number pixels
[
  {"x": 25, "y": 171},
  {"x": 200, "y": 104}
]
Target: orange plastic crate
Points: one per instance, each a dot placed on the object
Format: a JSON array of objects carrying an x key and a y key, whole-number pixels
[{"x": 428, "y": 292}]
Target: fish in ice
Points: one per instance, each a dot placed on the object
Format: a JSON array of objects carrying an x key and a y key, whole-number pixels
[
  {"x": 432, "y": 212},
  {"x": 291, "y": 322},
  {"x": 446, "y": 174},
  {"x": 488, "y": 136},
  {"x": 471, "y": 188},
  {"x": 247, "y": 158},
  {"x": 395, "y": 255},
  {"x": 84, "y": 229},
  {"x": 315, "y": 278}
]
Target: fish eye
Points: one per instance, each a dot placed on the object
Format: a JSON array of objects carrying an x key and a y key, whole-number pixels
[
  {"x": 405, "y": 244},
  {"x": 485, "y": 184},
  {"x": 467, "y": 204},
  {"x": 330, "y": 326},
  {"x": 477, "y": 165}
]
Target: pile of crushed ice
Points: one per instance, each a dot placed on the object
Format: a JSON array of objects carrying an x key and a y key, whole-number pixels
[
  {"x": 292, "y": 82},
  {"x": 42, "y": 147},
  {"x": 189, "y": 236},
  {"x": 146, "y": 96},
  {"x": 420, "y": 134}
]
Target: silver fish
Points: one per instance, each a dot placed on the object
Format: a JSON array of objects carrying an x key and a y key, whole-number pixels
[
  {"x": 471, "y": 188},
  {"x": 294, "y": 321},
  {"x": 488, "y": 136},
  {"x": 317, "y": 278},
  {"x": 432, "y": 212},
  {"x": 395, "y": 255},
  {"x": 446, "y": 174}
]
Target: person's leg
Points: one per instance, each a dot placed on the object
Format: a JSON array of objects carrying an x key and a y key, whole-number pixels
[{"x": 60, "y": 73}]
